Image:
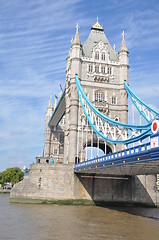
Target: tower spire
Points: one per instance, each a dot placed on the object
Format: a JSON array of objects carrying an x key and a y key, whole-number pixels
[
  {"x": 77, "y": 27},
  {"x": 49, "y": 112},
  {"x": 123, "y": 35},
  {"x": 77, "y": 40},
  {"x": 50, "y": 105},
  {"x": 123, "y": 47},
  {"x": 49, "y": 108}
]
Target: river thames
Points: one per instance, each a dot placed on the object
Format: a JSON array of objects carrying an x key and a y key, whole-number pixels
[{"x": 46, "y": 222}]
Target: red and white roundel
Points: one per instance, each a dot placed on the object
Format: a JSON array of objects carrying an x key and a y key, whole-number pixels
[{"x": 155, "y": 126}]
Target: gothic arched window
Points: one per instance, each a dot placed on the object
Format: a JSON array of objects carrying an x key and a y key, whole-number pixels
[
  {"x": 97, "y": 69},
  {"x": 99, "y": 96},
  {"x": 103, "y": 56},
  {"x": 114, "y": 100},
  {"x": 102, "y": 69},
  {"x": 97, "y": 55},
  {"x": 90, "y": 68},
  {"x": 109, "y": 70}
]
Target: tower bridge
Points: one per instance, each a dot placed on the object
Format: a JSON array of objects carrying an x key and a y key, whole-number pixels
[{"x": 92, "y": 115}]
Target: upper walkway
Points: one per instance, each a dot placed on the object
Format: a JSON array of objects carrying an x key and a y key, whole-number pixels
[{"x": 59, "y": 111}]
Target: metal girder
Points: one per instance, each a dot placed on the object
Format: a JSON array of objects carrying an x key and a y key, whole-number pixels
[
  {"x": 141, "y": 160},
  {"x": 147, "y": 112},
  {"x": 110, "y": 130}
]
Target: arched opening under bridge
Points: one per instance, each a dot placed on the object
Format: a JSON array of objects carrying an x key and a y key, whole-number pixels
[{"x": 96, "y": 149}]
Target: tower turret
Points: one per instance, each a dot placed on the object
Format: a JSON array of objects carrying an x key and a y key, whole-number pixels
[
  {"x": 123, "y": 60},
  {"x": 74, "y": 66},
  {"x": 49, "y": 112},
  {"x": 123, "y": 47},
  {"x": 76, "y": 50},
  {"x": 77, "y": 40}
]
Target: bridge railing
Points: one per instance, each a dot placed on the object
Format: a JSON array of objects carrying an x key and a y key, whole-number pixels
[{"x": 116, "y": 155}]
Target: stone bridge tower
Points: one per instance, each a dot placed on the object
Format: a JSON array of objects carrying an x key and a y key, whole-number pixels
[{"x": 101, "y": 71}]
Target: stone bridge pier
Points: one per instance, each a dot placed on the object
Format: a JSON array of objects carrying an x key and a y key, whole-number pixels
[{"x": 58, "y": 183}]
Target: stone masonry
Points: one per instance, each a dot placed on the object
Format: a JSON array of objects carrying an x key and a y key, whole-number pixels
[{"x": 101, "y": 71}]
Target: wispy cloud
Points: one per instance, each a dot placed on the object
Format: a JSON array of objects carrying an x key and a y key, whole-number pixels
[{"x": 34, "y": 43}]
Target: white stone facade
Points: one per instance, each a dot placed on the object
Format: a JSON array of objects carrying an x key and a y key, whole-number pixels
[{"x": 101, "y": 71}]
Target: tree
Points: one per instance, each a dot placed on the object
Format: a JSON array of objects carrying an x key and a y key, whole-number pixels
[
  {"x": 11, "y": 175},
  {"x": 1, "y": 179}
]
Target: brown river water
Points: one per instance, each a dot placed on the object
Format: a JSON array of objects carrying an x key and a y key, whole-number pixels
[{"x": 46, "y": 222}]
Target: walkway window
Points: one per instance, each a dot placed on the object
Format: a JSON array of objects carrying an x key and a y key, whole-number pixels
[
  {"x": 97, "y": 55},
  {"x": 99, "y": 97},
  {"x": 103, "y": 56},
  {"x": 97, "y": 69},
  {"x": 90, "y": 68},
  {"x": 114, "y": 100},
  {"x": 102, "y": 69}
]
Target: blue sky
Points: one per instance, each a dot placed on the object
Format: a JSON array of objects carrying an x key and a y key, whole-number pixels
[{"x": 35, "y": 39}]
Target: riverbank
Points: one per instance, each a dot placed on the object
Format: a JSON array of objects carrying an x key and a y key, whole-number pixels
[
  {"x": 58, "y": 202},
  {"x": 76, "y": 202},
  {"x": 4, "y": 191}
]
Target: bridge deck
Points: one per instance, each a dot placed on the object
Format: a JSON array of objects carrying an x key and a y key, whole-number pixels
[{"x": 137, "y": 163}]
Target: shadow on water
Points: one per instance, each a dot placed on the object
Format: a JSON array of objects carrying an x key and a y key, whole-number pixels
[
  {"x": 148, "y": 212},
  {"x": 123, "y": 195}
]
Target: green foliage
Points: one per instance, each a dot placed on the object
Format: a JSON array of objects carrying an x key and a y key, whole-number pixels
[{"x": 11, "y": 175}]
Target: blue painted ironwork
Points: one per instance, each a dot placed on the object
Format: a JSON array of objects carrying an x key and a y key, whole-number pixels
[
  {"x": 143, "y": 106},
  {"x": 142, "y": 131},
  {"x": 140, "y": 154}
]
